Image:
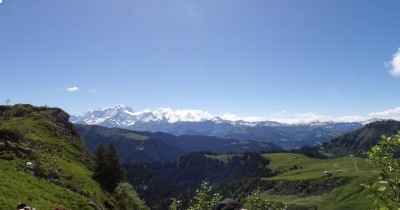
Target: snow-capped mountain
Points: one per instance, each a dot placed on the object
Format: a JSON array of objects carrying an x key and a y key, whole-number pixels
[
  {"x": 121, "y": 115},
  {"x": 197, "y": 122},
  {"x": 124, "y": 116}
]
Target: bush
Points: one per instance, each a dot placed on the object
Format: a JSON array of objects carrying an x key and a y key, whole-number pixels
[
  {"x": 254, "y": 201},
  {"x": 386, "y": 187},
  {"x": 127, "y": 198},
  {"x": 204, "y": 199}
]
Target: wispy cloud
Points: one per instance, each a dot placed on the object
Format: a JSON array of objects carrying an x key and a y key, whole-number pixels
[
  {"x": 280, "y": 113},
  {"x": 313, "y": 117},
  {"x": 1, "y": 1},
  {"x": 72, "y": 89},
  {"x": 393, "y": 113},
  {"x": 394, "y": 64},
  {"x": 92, "y": 90}
]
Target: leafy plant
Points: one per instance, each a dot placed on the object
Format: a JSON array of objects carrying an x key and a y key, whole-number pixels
[
  {"x": 204, "y": 199},
  {"x": 386, "y": 188},
  {"x": 175, "y": 205},
  {"x": 127, "y": 198},
  {"x": 254, "y": 201}
]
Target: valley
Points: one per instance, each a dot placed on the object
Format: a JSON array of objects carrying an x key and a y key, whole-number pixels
[
  {"x": 199, "y": 105},
  {"x": 162, "y": 166}
]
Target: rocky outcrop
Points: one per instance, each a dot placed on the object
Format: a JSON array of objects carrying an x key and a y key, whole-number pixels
[{"x": 11, "y": 141}]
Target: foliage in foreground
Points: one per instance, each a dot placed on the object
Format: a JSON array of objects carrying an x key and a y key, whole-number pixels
[
  {"x": 254, "y": 201},
  {"x": 385, "y": 156},
  {"x": 205, "y": 198},
  {"x": 127, "y": 198}
]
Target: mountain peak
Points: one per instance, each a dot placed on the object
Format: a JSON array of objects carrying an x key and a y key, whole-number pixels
[{"x": 119, "y": 107}]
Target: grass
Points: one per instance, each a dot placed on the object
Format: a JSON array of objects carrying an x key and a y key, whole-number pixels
[
  {"x": 136, "y": 136},
  {"x": 348, "y": 196},
  {"x": 63, "y": 177},
  {"x": 222, "y": 158},
  {"x": 21, "y": 186}
]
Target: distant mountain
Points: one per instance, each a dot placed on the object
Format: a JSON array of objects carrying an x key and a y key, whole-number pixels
[
  {"x": 361, "y": 140},
  {"x": 195, "y": 122},
  {"x": 136, "y": 146}
]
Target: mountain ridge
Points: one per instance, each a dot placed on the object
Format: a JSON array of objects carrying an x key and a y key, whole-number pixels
[
  {"x": 196, "y": 122},
  {"x": 120, "y": 111},
  {"x": 134, "y": 146},
  {"x": 361, "y": 140}
]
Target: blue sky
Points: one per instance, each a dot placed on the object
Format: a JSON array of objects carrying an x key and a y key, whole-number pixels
[{"x": 272, "y": 59}]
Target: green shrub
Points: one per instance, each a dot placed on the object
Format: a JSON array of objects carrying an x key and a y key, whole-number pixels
[
  {"x": 204, "y": 199},
  {"x": 254, "y": 201},
  {"x": 127, "y": 198},
  {"x": 386, "y": 187}
]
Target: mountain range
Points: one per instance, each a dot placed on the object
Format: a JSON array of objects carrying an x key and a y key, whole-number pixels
[
  {"x": 134, "y": 146},
  {"x": 196, "y": 122}
]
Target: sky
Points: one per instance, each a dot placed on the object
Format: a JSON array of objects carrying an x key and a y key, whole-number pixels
[{"x": 275, "y": 59}]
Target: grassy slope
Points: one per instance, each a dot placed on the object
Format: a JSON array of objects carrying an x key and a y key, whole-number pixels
[
  {"x": 348, "y": 196},
  {"x": 223, "y": 158},
  {"x": 58, "y": 160}
]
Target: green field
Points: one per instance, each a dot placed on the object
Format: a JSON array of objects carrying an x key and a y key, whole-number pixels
[
  {"x": 223, "y": 158},
  {"x": 348, "y": 173}
]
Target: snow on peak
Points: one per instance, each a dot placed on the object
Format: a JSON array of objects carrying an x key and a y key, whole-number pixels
[
  {"x": 122, "y": 114},
  {"x": 116, "y": 107},
  {"x": 125, "y": 116}
]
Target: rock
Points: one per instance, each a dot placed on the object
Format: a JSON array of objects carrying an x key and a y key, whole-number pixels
[
  {"x": 327, "y": 173},
  {"x": 21, "y": 205},
  {"x": 30, "y": 165}
]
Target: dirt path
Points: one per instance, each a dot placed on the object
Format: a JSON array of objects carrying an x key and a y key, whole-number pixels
[{"x": 355, "y": 165}]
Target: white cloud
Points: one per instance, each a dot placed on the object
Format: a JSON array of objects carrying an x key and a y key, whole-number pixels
[
  {"x": 304, "y": 118},
  {"x": 0, "y": 1},
  {"x": 72, "y": 89},
  {"x": 391, "y": 113},
  {"x": 188, "y": 115},
  {"x": 351, "y": 118},
  {"x": 313, "y": 117},
  {"x": 280, "y": 112},
  {"x": 233, "y": 117},
  {"x": 394, "y": 64}
]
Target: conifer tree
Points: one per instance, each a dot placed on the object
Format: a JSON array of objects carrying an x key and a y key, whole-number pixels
[
  {"x": 108, "y": 171},
  {"x": 100, "y": 159}
]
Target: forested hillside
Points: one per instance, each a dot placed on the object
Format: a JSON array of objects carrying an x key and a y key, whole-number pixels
[
  {"x": 360, "y": 141},
  {"x": 134, "y": 146},
  {"x": 231, "y": 176}
]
